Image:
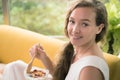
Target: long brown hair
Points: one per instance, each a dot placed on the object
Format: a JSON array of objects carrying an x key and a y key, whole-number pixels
[
  {"x": 64, "y": 63},
  {"x": 62, "y": 67}
]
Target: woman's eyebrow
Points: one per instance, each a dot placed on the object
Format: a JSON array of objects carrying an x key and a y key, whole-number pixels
[
  {"x": 71, "y": 18},
  {"x": 85, "y": 20}
]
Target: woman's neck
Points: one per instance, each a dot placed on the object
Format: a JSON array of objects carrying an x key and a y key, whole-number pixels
[
  {"x": 91, "y": 49},
  {"x": 85, "y": 48}
]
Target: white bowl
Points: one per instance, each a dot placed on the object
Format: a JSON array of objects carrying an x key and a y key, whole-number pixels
[{"x": 28, "y": 77}]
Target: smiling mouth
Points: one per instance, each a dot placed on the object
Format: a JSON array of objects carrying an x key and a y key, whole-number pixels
[{"x": 76, "y": 38}]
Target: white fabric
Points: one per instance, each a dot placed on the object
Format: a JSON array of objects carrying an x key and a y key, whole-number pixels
[
  {"x": 14, "y": 71},
  {"x": 75, "y": 68}
]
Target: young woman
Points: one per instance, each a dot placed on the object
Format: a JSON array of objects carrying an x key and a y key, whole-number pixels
[{"x": 81, "y": 59}]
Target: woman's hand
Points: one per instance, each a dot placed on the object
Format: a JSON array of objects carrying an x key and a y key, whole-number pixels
[{"x": 37, "y": 51}]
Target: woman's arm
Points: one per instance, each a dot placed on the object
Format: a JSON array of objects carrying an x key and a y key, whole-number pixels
[
  {"x": 91, "y": 73},
  {"x": 40, "y": 54}
]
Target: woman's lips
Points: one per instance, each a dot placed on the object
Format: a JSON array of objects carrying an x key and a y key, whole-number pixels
[{"x": 76, "y": 38}]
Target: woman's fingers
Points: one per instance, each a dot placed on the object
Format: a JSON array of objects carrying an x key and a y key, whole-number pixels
[
  {"x": 33, "y": 50},
  {"x": 38, "y": 51}
]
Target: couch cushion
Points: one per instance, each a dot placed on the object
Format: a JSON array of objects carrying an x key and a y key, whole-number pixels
[{"x": 114, "y": 65}]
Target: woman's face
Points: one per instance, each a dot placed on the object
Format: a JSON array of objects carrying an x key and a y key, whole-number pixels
[{"x": 82, "y": 28}]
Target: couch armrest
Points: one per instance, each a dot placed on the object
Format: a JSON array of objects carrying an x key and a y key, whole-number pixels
[{"x": 15, "y": 43}]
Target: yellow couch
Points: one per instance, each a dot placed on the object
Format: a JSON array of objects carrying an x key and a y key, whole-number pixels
[{"x": 15, "y": 44}]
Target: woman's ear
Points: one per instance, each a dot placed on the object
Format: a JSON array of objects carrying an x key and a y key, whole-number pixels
[{"x": 99, "y": 28}]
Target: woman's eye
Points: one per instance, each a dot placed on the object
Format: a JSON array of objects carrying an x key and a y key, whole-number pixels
[
  {"x": 84, "y": 24},
  {"x": 71, "y": 21}
]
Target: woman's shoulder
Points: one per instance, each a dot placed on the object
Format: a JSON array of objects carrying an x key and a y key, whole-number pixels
[
  {"x": 93, "y": 60},
  {"x": 97, "y": 62}
]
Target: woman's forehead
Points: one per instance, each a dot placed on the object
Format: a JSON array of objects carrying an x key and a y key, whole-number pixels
[{"x": 83, "y": 12}]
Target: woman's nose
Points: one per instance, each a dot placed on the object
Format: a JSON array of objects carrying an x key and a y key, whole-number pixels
[{"x": 76, "y": 30}]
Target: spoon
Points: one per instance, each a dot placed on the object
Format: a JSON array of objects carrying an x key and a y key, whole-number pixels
[{"x": 30, "y": 64}]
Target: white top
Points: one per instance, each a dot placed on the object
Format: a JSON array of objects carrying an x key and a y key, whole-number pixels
[{"x": 94, "y": 61}]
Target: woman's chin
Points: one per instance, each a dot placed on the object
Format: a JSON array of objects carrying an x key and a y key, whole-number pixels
[{"x": 75, "y": 43}]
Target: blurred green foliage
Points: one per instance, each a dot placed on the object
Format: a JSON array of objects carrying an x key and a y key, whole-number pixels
[
  {"x": 42, "y": 16},
  {"x": 112, "y": 38}
]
